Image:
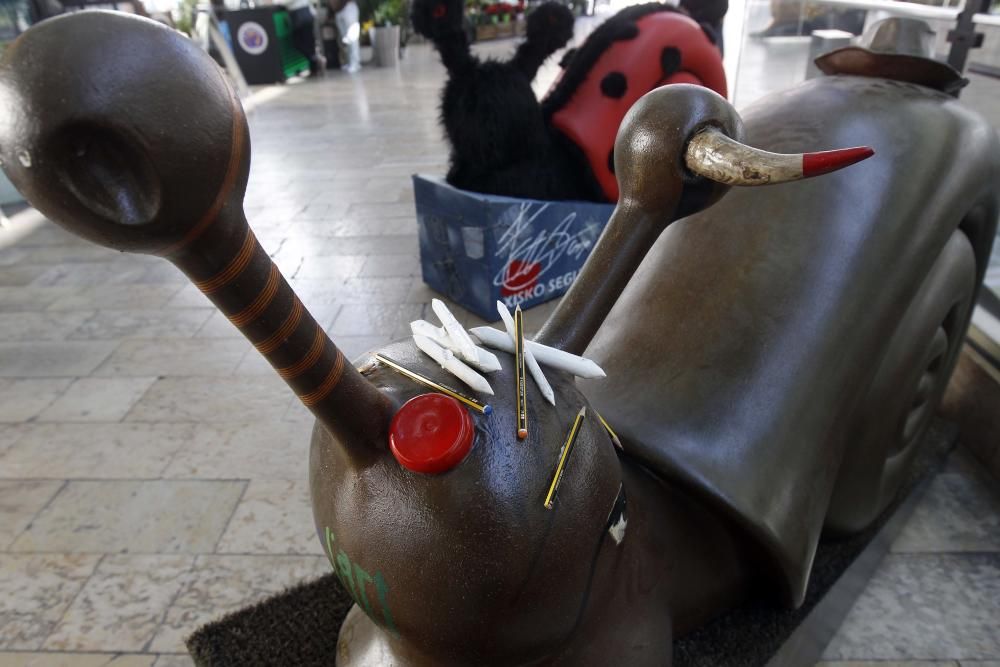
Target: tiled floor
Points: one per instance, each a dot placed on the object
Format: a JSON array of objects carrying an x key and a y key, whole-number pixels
[
  {"x": 153, "y": 469},
  {"x": 936, "y": 596}
]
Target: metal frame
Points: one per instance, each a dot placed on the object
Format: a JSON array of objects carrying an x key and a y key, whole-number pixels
[{"x": 963, "y": 37}]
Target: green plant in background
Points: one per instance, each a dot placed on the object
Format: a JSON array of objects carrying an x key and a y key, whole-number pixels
[
  {"x": 185, "y": 13},
  {"x": 390, "y": 12},
  {"x": 366, "y": 8}
]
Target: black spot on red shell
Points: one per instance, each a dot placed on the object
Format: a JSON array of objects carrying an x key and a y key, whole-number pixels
[
  {"x": 670, "y": 60},
  {"x": 625, "y": 32},
  {"x": 611, "y": 161},
  {"x": 614, "y": 85}
]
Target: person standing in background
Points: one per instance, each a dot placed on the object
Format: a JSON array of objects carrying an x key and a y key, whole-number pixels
[
  {"x": 348, "y": 18},
  {"x": 304, "y": 30}
]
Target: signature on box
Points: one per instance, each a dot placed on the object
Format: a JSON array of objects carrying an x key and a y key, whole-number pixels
[{"x": 529, "y": 257}]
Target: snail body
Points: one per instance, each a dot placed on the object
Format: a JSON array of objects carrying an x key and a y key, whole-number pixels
[{"x": 468, "y": 565}]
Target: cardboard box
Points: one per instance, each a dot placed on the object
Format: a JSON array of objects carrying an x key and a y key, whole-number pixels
[
  {"x": 478, "y": 249},
  {"x": 505, "y": 29}
]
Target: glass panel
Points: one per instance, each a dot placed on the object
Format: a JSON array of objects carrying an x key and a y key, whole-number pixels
[
  {"x": 983, "y": 95},
  {"x": 780, "y": 38}
]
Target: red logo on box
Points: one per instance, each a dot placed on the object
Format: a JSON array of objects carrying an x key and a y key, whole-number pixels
[{"x": 519, "y": 276}]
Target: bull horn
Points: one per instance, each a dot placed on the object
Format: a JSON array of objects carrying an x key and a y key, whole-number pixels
[{"x": 718, "y": 158}]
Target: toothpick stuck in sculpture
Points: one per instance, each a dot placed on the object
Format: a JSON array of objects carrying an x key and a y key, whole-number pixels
[
  {"x": 485, "y": 361},
  {"x": 547, "y": 356},
  {"x": 466, "y": 348},
  {"x": 529, "y": 357},
  {"x": 449, "y": 362}
]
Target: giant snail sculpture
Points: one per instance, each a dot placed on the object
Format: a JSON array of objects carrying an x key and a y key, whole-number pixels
[{"x": 771, "y": 359}]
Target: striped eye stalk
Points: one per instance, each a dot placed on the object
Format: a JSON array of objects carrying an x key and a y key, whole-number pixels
[{"x": 718, "y": 158}]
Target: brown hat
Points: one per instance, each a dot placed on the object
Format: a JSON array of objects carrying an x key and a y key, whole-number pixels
[{"x": 895, "y": 48}]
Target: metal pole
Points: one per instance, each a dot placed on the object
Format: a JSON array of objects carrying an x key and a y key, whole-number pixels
[{"x": 964, "y": 37}]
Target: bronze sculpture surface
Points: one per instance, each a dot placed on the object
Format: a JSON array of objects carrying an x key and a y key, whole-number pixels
[{"x": 754, "y": 350}]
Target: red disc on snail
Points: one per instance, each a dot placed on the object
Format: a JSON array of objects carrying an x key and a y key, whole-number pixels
[{"x": 431, "y": 433}]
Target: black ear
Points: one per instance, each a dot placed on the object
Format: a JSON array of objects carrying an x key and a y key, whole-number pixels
[
  {"x": 549, "y": 27},
  {"x": 706, "y": 11},
  {"x": 711, "y": 33},
  {"x": 437, "y": 18}
]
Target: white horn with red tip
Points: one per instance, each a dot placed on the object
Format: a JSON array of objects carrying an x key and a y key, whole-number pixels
[{"x": 717, "y": 157}]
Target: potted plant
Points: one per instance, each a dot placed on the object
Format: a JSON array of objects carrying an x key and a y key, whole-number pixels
[
  {"x": 389, "y": 16},
  {"x": 496, "y": 18}
]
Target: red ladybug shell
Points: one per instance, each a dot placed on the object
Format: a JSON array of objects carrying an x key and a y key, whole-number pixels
[{"x": 668, "y": 48}]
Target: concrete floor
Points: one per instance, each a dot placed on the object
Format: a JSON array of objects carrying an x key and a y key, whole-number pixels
[{"x": 154, "y": 468}]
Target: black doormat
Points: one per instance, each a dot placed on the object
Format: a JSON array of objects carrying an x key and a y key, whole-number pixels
[{"x": 299, "y": 627}]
